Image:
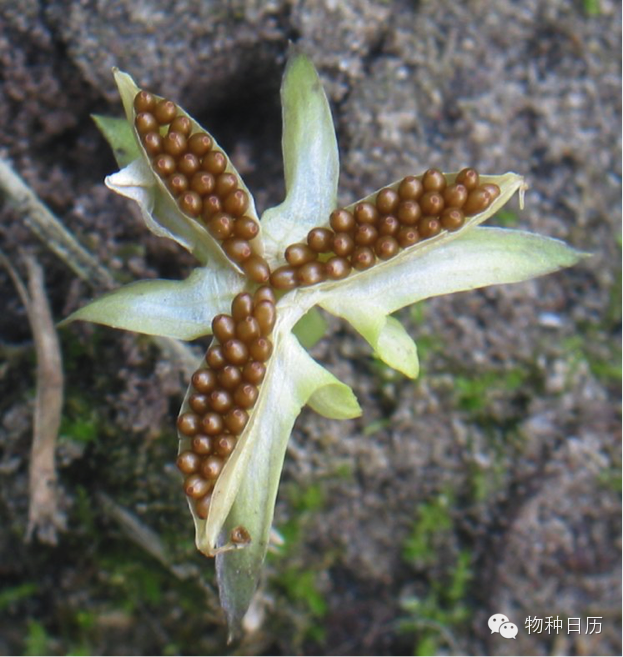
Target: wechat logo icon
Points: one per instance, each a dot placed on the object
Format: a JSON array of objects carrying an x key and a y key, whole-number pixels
[{"x": 499, "y": 623}]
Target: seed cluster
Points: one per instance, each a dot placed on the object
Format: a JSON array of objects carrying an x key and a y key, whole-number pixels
[
  {"x": 225, "y": 390},
  {"x": 397, "y": 219},
  {"x": 194, "y": 171}
]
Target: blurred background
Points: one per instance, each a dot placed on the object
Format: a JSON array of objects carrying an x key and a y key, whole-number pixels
[{"x": 490, "y": 485}]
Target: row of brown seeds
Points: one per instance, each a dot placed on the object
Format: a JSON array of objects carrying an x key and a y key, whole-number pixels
[
  {"x": 397, "y": 219},
  {"x": 225, "y": 390},
  {"x": 194, "y": 171}
]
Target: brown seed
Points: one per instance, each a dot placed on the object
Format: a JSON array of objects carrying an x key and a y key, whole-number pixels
[
  {"x": 215, "y": 357},
  {"x": 452, "y": 219},
  {"x": 493, "y": 189},
  {"x": 429, "y": 227},
  {"x": 188, "y": 462},
  {"x": 220, "y": 401},
  {"x": 202, "y": 506},
  {"x": 226, "y": 183},
  {"x": 188, "y": 424},
  {"x": 366, "y": 213},
  {"x": 144, "y": 102},
  {"x": 455, "y": 195},
  {"x": 337, "y": 268},
  {"x": 409, "y": 213},
  {"x": 211, "y": 468},
  {"x": 257, "y": 269},
  {"x": 386, "y": 247},
  {"x": 387, "y": 201},
  {"x": 478, "y": 200},
  {"x": 211, "y": 205},
  {"x": 342, "y": 221},
  {"x": 431, "y": 203},
  {"x": 190, "y": 203},
  {"x": 410, "y": 189},
  {"x": 229, "y": 377},
  {"x": 469, "y": 178},
  {"x": 265, "y": 315},
  {"x": 152, "y": 142},
  {"x": 196, "y": 486},
  {"x": 188, "y": 164},
  {"x": 238, "y": 250},
  {"x": 225, "y": 445},
  {"x": 434, "y": 181},
  {"x": 236, "y": 352},
  {"x": 245, "y": 395},
  {"x": 202, "y": 182},
  {"x": 164, "y": 165},
  {"x": 242, "y": 306},
  {"x": 284, "y": 278},
  {"x": 366, "y": 235},
  {"x": 246, "y": 228},
  {"x": 236, "y": 203},
  {"x": 239, "y": 536},
  {"x": 221, "y": 226},
  {"x": 389, "y": 225},
  {"x": 343, "y": 244},
  {"x": 182, "y": 125},
  {"x": 248, "y": 329},
  {"x": 223, "y": 328},
  {"x": 320, "y": 240},
  {"x": 165, "y": 111},
  {"x": 212, "y": 423},
  {"x": 199, "y": 144},
  {"x": 177, "y": 183},
  {"x": 263, "y": 293},
  {"x": 299, "y": 254},
  {"x": 408, "y": 236},
  {"x": 214, "y": 162},
  {"x": 146, "y": 122},
  {"x": 261, "y": 349},
  {"x": 199, "y": 403},
  {"x": 204, "y": 380},
  {"x": 202, "y": 444},
  {"x": 254, "y": 372},
  {"x": 236, "y": 420},
  {"x": 362, "y": 258},
  {"x": 174, "y": 143},
  {"x": 311, "y": 273}
]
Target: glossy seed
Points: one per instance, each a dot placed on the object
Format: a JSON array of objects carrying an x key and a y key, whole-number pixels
[
  {"x": 387, "y": 201},
  {"x": 202, "y": 182},
  {"x": 454, "y": 196},
  {"x": 263, "y": 293},
  {"x": 236, "y": 352},
  {"x": 190, "y": 203},
  {"x": 254, "y": 372},
  {"x": 284, "y": 278},
  {"x": 299, "y": 254},
  {"x": 215, "y": 357},
  {"x": 165, "y": 111},
  {"x": 211, "y": 205},
  {"x": 202, "y": 444},
  {"x": 236, "y": 203},
  {"x": 257, "y": 269},
  {"x": 214, "y": 162},
  {"x": 493, "y": 189},
  {"x": 238, "y": 250},
  {"x": 320, "y": 240},
  {"x": 224, "y": 445},
  {"x": 188, "y": 164},
  {"x": 182, "y": 125},
  {"x": 202, "y": 506},
  {"x": 366, "y": 213},
  {"x": 174, "y": 143},
  {"x": 409, "y": 213},
  {"x": 245, "y": 395},
  {"x": 261, "y": 349},
  {"x": 432, "y": 203},
  {"x": 239, "y": 536},
  {"x": 145, "y": 122},
  {"x": 212, "y": 466},
  {"x": 434, "y": 181},
  {"x": 246, "y": 228},
  {"x": 236, "y": 420},
  {"x": 386, "y": 247},
  {"x": 212, "y": 423},
  {"x": 248, "y": 329},
  {"x": 199, "y": 403},
  {"x": 188, "y": 424},
  {"x": 220, "y": 225},
  {"x": 177, "y": 183},
  {"x": 469, "y": 178},
  {"x": 164, "y": 165},
  {"x": 152, "y": 142},
  {"x": 226, "y": 183},
  {"x": 410, "y": 189},
  {"x": 188, "y": 462},
  {"x": 429, "y": 227},
  {"x": 362, "y": 258},
  {"x": 144, "y": 102},
  {"x": 265, "y": 315},
  {"x": 223, "y": 328},
  {"x": 242, "y": 306},
  {"x": 311, "y": 273},
  {"x": 337, "y": 268},
  {"x": 366, "y": 235},
  {"x": 230, "y": 377},
  {"x": 478, "y": 200},
  {"x": 342, "y": 221},
  {"x": 204, "y": 380},
  {"x": 199, "y": 144},
  {"x": 196, "y": 486},
  {"x": 343, "y": 244},
  {"x": 388, "y": 225},
  {"x": 452, "y": 219},
  {"x": 408, "y": 236}
]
